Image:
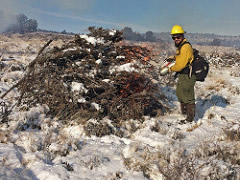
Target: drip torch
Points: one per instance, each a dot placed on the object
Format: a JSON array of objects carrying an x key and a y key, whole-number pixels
[{"x": 165, "y": 65}]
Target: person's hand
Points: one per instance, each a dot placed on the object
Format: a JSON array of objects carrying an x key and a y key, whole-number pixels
[
  {"x": 169, "y": 69},
  {"x": 170, "y": 58}
]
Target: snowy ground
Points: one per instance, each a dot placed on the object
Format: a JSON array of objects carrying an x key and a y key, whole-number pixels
[{"x": 34, "y": 146}]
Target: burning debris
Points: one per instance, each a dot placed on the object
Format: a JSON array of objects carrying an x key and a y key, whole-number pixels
[{"x": 91, "y": 77}]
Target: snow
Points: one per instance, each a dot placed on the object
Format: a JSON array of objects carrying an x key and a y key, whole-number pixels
[
  {"x": 112, "y": 32},
  {"x": 96, "y": 106},
  {"x": 106, "y": 80},
  {"x": 70, "y": 49},
  {"x": 34, "y": 146},
  {"x": 82, "y": 100},
  {"x": 92, "y": 40},
  {"x": 99, "y": 61},
  {"x": 120, "y": 57},
  {"x": 78, "y": 87},
  {"x": 128, "y": 67}
]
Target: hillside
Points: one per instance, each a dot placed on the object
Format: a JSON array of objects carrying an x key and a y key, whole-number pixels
[{"x": 205, "y": 39}]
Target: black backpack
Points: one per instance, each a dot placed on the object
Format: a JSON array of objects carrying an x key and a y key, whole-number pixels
[{"x": 200, "y": 65}]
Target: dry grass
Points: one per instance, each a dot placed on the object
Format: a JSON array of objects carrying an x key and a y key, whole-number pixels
[
  {"x": 232, "y": 133},
  {"x": 235, "y": 73},
  {"x": 216, "y": 51},
  {"x": 4, "y": 136},
  {"x": 217, "y": 86},
  {"x": 165, "y": 129},
  {"x": 194, "y": 126},
  {"x": 234, "y": 90},
  {"x": 210, "y": 160},
  {"x": 211, "y": 116}
]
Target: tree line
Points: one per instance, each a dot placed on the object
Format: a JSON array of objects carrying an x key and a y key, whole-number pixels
[
  {"x": 22, "y": 25},
  {"x": 128, "y": 34}
]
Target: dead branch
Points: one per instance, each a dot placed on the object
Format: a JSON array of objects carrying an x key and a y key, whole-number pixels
[{"x": 29, "y": 67}]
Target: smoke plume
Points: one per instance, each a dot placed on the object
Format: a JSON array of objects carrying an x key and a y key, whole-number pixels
[{"x": 6, "y": 19}]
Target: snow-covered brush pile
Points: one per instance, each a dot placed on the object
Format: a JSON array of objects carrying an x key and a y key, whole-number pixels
[
  {"x": 91, "y": 77},
  {"x": 226, "y": 60}
]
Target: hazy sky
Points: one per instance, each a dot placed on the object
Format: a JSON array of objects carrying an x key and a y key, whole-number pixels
[{"x": 209, "y": 16}]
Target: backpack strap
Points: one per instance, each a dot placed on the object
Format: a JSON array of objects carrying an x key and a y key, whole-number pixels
[
  {"x": 188, "y": 68},
  {"x": 180, "y": 47}
]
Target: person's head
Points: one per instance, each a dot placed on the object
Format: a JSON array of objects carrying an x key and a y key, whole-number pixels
[{"x": 177, "y": 34}]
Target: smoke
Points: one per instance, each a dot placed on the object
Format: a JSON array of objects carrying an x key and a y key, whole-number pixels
[
  {"x": 6, "y": 19},
  {"x": 10, "y": 8},
  {"x": 8, "y": 11}
]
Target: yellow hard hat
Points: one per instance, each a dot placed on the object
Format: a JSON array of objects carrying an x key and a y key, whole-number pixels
[{"x": 177, "y": 30}]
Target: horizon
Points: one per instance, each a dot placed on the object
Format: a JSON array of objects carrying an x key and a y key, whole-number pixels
[{"x": 76, "y": 16}]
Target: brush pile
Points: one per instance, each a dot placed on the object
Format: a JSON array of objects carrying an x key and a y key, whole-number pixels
[
  {"x": 227, "y": 60},
  {"x": 91, "y": 77}
]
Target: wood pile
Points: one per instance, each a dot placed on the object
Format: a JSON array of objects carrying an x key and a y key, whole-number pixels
[{"x": 82, "y": 81}]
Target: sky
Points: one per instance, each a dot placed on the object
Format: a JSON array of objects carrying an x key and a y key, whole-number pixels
[{"x": 196, "y": 16}]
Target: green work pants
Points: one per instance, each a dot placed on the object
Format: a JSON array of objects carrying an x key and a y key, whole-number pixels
[{"x": 185, "y": 89}]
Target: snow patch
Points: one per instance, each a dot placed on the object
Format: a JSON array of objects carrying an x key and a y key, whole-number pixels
[
  {"x": 92, "y": 40},
  {"x": 78, "y": 87}
]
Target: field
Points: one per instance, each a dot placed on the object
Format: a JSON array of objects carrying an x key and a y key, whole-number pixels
[{"x": 35, "y": 145}]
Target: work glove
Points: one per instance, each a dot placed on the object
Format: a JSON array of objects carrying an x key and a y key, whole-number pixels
[
  {"x": 170, "y": 58},
  {"x": 169, "y": 69}
]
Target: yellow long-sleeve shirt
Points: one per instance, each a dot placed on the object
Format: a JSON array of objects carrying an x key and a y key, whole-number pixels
[{"x": 183, "y": 57}]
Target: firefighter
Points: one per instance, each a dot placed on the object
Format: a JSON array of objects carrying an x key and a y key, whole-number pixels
[{"x": 186, "y": 81}]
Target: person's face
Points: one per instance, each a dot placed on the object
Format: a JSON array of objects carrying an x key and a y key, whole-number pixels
[{"x": 177, "y": 39}]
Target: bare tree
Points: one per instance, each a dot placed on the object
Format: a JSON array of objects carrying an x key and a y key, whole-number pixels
[
  {"x": 31, "y": 25},
  {"x": 22, "y": 25},
  {"x": 21, "y": 21},
  {"x": 127, "y": 33},
  {"x": 216, "y": 42},
  {"x": 150, "y": 36}
]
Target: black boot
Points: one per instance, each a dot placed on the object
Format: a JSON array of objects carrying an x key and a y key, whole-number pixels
[
  {"x": 183, "y": 108},
  {"x": 190, "y": 111}
]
